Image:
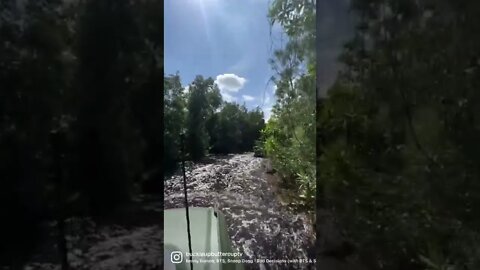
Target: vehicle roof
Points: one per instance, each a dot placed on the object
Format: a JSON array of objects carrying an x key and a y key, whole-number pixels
[{"x": 208, "y": 234}]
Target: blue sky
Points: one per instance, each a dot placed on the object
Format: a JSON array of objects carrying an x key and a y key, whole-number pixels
[{"x": 228, "y": 40}]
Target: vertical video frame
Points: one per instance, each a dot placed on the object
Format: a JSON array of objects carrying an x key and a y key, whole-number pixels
[{"x": 239, "y": 116}]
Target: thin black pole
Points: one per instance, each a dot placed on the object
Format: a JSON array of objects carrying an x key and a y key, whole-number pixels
[
  {"x": 186, "y": 201},
  {"x": 58, "y": 147}
]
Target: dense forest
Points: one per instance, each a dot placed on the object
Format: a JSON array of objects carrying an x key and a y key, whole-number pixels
[
  {"x": 398, "y": 133},
  {"x": 208, "y": 124},
  {"x": 289, "y": 136},
  {"x": 82, "y": 114},
  {"x": 80, "y": 111}
]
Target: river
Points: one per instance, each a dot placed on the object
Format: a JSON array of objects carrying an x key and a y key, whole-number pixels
[{"x": 259, "y": 224}]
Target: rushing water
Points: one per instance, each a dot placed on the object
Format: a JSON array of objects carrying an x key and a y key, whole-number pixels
[
  {"x": 259, "y": 225},
  {"x": 93, "y": 246}
]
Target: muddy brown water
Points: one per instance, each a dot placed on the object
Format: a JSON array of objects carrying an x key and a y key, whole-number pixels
[
  {"x": 260, "y": 225},
  {"x": 115, "y": 244}
]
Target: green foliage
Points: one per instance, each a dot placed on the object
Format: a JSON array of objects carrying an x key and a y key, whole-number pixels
[
  {"x": 259, "y": 148},
  {"x": 106, "y": 139},
  {"x": 174, "y": 119},
  {"x": 210, "y": 124},
  {"x": 236, "y": 129},
  {"x": 199, "y": 109},
  {"x": 145, "y": 97},
  {"x": 90, "y": 71},
  {"x": 290, "y": 133},
  {"x": 32, "y": 77},
  {"x": 398, "y": 164}
]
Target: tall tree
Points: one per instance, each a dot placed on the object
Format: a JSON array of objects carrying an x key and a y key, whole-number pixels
[
  {"x": 394, "y": 166},
  {"x": 34, "y": 80},
  {"x": 198, "y": 112},
  {"x": 174, "y": 119},
  {"x": 290, "y": 133},
  {"x": 146, "y": 96},
  {"x": 107, "y": 155}
]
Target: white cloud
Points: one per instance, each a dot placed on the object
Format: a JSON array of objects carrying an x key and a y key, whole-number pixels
[
  {"x": 248, "y": 98},
  {"x": 186, "y": 89},
  {"x": 230, "y": 82}
]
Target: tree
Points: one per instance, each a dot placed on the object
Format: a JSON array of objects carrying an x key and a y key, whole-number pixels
[
  {"x": 212, "y": 126},
  {"x": 197, "y": 139},
  {"x": 88, "y": 74},
  {"x": 106, "y": 140},
  {"x": 290, "y": 133},
  {"x": 393, "y": 165},
  {"x": 174, "y": 119},
  {"x": 146, "y": 94},
  {"x": 34, "y": 79}
]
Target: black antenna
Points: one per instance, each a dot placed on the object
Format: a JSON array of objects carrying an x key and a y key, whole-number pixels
[{"x": 186, "y": 200}]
